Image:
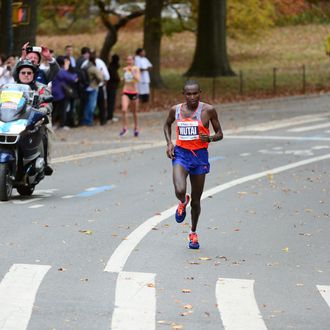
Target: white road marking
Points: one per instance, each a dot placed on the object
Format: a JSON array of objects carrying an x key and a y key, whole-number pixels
[
  {"x": 36, "y": 206},
  {"x": 320, "y": 147},
  {"x": 118, "y": 259},
  {"x": 325, "y": 292},
  {"x": 301, "y": 152},
  {"x": 32, "y": 200},
  {"x": 107, "y": 152},
  {"x": 135, "y": 302},
  {"x": 237, "y": 304},
  {"x": 274, "y": 137},
  {"x": 308, "y": 128},
  {"x": 282, "y": 123},
  {"x": 17, "y": 294}
]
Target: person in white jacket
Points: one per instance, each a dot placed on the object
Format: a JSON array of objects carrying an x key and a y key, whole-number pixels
[{"x": 144, "y": 84}]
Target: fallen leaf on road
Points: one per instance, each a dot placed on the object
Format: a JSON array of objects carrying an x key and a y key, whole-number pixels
[
  {"x": 87, "y": 232},
  {"x": 185, "y": 290},
  {"x": 205, "y": 258},
  {"x": 242, "y": 193},
  {"x": 186, "y": 313},
  {"x": 286, "y": 249},
  {"x": 194, "y": 263},
  {"x": 188, "y": 306},
  {"x": 150, "y": 285},
  {"x": 270, "y": 177},
  {"x": 62, "y": 269},
  {"x": 176, "y": 326}
]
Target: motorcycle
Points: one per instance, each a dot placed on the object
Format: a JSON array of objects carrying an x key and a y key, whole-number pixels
[{"x": 22, "y": 131}]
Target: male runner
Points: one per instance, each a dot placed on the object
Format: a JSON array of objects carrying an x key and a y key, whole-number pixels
[{"x": 189, "y": 155}]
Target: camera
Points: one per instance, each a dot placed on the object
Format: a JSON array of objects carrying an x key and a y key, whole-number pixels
[{"x": 33, "y": 49}]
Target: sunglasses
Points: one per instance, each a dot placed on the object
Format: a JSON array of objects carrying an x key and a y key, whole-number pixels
[{"x": 26, "y": 73}]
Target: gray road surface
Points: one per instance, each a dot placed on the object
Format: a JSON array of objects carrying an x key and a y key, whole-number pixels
[{"x": 97, "y": 246}]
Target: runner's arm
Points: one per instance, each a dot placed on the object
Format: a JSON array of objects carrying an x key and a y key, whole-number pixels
[
  {"x": 213, "y": 118},
  {"x": 168, "y": 132}
]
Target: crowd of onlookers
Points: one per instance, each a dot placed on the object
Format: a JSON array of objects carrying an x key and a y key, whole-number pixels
[{"x": 85, "y": 88}]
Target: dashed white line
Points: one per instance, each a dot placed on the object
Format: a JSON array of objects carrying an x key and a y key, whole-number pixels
[
  {"x": 325, "y": 292},
  {"x": 237, "y": 304},
  {"x": 135, "y": 302},
  {"x": 17, "y": 294}
]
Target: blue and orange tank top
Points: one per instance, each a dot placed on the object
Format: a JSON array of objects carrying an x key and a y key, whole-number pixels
[{"x": 188, "y": 129}]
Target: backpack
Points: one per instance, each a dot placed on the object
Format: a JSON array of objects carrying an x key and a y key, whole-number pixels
[{"x": 83, "y": 76}]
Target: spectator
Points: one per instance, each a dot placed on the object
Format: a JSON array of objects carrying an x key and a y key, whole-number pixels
[
  {"x": 83, "y": 81},
  {"x": 61, "y": 85},
  {"x": 144, "y": 84},
  {"x": 102, "y": 93},
  {"x": 112, "y": 86},
  {"x": 35, "y": 54},
  {"x": 95, "y": 76},
  {"x": 68, "y": 52},
  {"x": 6, "y": 69}
]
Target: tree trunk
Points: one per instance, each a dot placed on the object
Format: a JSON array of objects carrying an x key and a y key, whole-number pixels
[
  {"x": 211, "y": 59},
  {"x": 112, "y": 35},
  {"x": 110, "y": 40},
  {"x": 152, "y": 39}
]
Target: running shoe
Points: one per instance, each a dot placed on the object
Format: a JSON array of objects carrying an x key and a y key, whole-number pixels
[
  {"x": 180, "y": 212},
  {"x": 123, "y": 132},
  {"x": 193, "y": 241},
  {"x": 136, "y": 132}
]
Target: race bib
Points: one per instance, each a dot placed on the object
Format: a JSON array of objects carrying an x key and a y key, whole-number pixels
[
  {"x": 188, "y": 130},
  {"x": 128, "y": 76}
]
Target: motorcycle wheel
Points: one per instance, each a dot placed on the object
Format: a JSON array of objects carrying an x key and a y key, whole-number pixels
[
  {"x": 25, "y": 190},
  {"x": 6, "y": 186}
]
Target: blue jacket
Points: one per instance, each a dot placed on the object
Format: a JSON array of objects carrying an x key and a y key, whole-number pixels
[{"x": 62, "y": 77}]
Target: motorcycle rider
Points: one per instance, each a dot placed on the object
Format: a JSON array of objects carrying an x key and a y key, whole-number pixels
[{"x": 25, "y": 73}]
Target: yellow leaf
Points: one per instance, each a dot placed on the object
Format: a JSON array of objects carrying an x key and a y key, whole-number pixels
[
  {"x": 286, "y": 249},
  {"x": 204, "y": 258},
  {"x": 270, "y": 176},
  {"x": 87, "y": 232}
]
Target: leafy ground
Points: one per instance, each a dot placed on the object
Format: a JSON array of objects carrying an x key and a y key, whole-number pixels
[{"x": 287, "y": 49}]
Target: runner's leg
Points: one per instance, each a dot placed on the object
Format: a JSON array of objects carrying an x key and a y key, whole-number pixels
[
  {"x": 180, "y": 182},
  {"x": 197, "y": 186}
]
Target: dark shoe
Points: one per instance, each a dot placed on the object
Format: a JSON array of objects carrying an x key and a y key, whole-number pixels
[{"x": 48, "y": 170}]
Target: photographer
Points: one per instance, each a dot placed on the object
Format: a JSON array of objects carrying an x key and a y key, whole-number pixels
[{"x": 34, "y": 54}]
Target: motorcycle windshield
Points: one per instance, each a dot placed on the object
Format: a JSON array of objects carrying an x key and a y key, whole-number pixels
[{"x": 13, "y": 101}]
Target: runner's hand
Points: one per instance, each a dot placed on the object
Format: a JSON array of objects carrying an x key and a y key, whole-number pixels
[
  {"x": 204, "y": 137},
  {"x": 170, "y": 151}
]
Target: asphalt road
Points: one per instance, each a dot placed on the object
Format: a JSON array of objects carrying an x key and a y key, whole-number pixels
[{"x": 97, "y": 246}]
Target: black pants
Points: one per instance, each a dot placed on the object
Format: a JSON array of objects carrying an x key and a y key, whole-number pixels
[
  {"x": 101, "y": 104},
  {"x": 112, "y": 93},
  {"x": 60, "y": 109}
]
